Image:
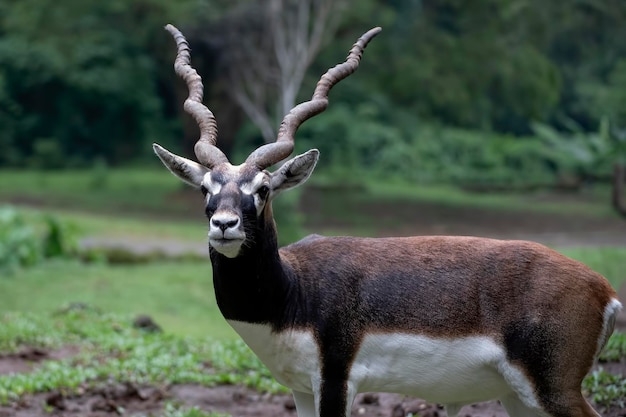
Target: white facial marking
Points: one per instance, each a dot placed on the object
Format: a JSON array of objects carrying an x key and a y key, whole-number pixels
[
  {"x": 212, "y": 187},
  {"x": 250, "y": 188}
]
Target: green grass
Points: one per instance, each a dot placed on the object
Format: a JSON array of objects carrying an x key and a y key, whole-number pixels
[
  {"x": 172, "y": 410},
  {"x": 604, "y": 388},
  {"x": 615, "y": 349},
  {"x": 588, "y": 202},
  {"x": 154, "y": 190},
  {"x": 111, "y": 350},
  {"x": 128, "y": 190},
  {"x": 178, "y": 295},
  {"x": 110, "y": 225},
  {"x": 608, "y": 261}
]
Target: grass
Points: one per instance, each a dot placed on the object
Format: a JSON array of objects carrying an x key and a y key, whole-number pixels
[
  {"x": 177, "y": 295},
  {"x": 110, "y": 349},
  {"x": 608, "y": 261},
  {"x": 110, "y": 225},
  {"x": 127, "y": 190},
  {"x": 606, "y": 389},
  {"x": 615, "y": 349},
  {"x": 588, "y": 202},
  {"x": 153, "y": 190}
]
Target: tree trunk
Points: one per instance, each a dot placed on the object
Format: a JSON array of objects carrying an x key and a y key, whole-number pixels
[{"x": 619, "y": 188}]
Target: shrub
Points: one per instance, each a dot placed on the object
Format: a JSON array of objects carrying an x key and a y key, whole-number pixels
[
  {"x": 60, "y": 239},
  {"x": 24, "y": 244},
  {"x": 19, "y": 244},
  {"x": 368, "y": 137}
]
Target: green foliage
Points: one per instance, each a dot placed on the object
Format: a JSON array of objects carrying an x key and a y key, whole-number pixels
[
  {"x": 80, "y": 80},
  {"x": 615, "y": 349},
  {"x": 395, "y": 146},
  {"x": 171, "y": 410},
  {"x": 369, "y": 138},
  {"x": 488, "y": 73},
  {"x": 606, "y": 389},
  {"x": 90, "y": 80},
  {"x": 586, "y": 155},
  {"x": 21, "y": 244},
  {"x": 175, "y": 294},
  {"x": 60, "y": 239}
]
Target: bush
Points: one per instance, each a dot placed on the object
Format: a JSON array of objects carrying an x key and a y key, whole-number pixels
[
  {"x": 23, "y": 244},
  {"x": 364, "y": 138},
  {"x": 368, "y": 139},
  {"x": 60, "y": 239},
  {"x": 19, "y": 245}
]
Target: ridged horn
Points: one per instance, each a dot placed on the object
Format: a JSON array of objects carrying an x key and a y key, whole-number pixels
[
  {"x": 207, "y": 153},
  {"x": 272, "y": 153}
]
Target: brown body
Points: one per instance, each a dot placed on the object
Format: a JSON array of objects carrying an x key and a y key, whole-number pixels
[
  {"x": 452, "y": 319},
  {"x": 448, "y": 286},
  {"x": 547, "y": 311}
]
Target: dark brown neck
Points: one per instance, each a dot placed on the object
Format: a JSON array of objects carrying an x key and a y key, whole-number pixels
[{"x": 254, "y": 287}]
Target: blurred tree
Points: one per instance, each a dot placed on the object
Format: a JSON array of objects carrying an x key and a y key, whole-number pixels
[
  {"x": 619, "y": 171},
  {"x": 264, "y": 50},
  {"x": 79, "y": 79},
  {"x": 619, "y": 188},
  {"x": 82, "y": 79}
]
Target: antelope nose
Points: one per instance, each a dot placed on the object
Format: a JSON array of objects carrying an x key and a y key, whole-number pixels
[{"x": 224, "y": 222}]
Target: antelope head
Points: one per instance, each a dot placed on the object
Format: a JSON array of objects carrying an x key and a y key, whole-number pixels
[{"x": 238, "y": 197}]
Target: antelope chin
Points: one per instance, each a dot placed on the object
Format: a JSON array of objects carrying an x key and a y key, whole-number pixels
[{"x": 227, "y": 247}]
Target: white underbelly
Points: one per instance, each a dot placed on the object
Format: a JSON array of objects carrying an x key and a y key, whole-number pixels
[
  {"x": 461, "y": 370},
  {"x": 445, "y": 370}
]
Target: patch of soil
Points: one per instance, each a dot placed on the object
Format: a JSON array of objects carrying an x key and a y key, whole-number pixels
[
  {"x": 128, "y": 399},
  {"x": 27, "y": 358}
]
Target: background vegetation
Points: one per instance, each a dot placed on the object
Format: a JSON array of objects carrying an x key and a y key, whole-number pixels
[{"x": 488, "y": 93}]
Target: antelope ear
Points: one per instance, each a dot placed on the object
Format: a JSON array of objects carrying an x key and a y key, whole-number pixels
[
  {"x": 187, "y": 170},
  {"x": 294, "y": 172}
]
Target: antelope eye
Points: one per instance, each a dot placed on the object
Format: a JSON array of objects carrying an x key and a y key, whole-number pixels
[
  {"x": 263, "y": 191},
  {"x": 204, "y": 190}
]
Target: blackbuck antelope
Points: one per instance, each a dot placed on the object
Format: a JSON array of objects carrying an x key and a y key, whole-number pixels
[{"x": 453, "y": 320}]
